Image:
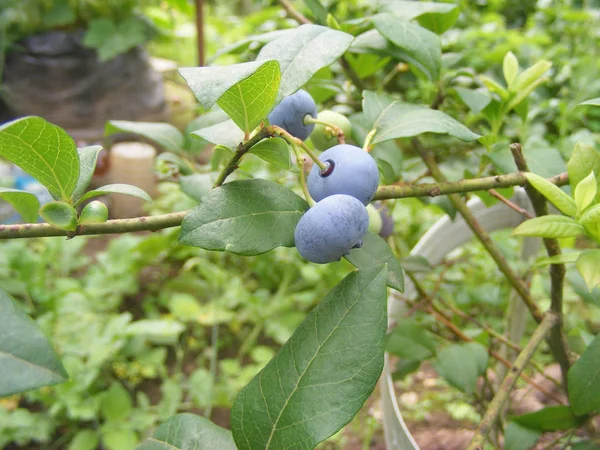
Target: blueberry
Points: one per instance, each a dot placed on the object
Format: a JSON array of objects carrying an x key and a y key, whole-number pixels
[
  {"x": 331, "y": 228},
  {"x": 290, "y": 113},
  {"x": 351, "y": 171}
]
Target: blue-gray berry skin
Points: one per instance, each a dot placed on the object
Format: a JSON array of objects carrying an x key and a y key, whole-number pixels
[
  {"x": 289, "y": 114},
  {"x": 354, "y": 172},
  {"x": 331, "y": 228}
]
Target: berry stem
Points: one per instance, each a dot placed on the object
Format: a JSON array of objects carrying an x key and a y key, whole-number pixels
[
  {"x": 337, "y": 131},
  {"x": 369, "y": 139},
  {"x": 274, "y": 130},
  {"x": 300, "y": 163}
]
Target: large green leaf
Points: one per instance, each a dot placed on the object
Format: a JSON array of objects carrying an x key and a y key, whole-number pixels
[
  {"x": 422, "y": 48},
  {"x": 553, "y": 194},
  {"x": 399, "y": 120},
  {"x": 117, "y": 188},
  {"x": 593, "y": 102},
  {"x": 462, "y": 364},
  {"x": 303, "y": 52},
  {"x": 186, "y": 432},
  {"x": 584, "y": 380},
  {"x": 163, "y": 134},
  {"x": 375, "y": 252},
  {"x": 275, "y": 151},
  {"x": 88, "y": 157},
  {"x": 44, "y": 151},
  {"x": 437, "y": 17},
  {"x": 27, "y": 360},
  {"x": 322, "y": 376},
  {"x": 209, "y": 83},
  {"x": 197, "y": 185},
  {"x": 318, "y": 10},
  {"x": 409, "y": 340},
  {"x": 249, "y": 102},
  {"x": 247, "y": 217},
  {"x": 588, "y": 265},
  {"x": 551, "y": 226},
  {"x": 551, "y": 418},
  {"x": 25, "y": 203}
]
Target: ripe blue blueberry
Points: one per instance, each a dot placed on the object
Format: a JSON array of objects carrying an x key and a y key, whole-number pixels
[
  {"x": 351, "y": 171},
  {"x": 290, "y": 113},
  {"x": 331, "y": 228}
]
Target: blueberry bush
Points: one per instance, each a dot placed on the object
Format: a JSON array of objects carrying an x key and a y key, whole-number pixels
[{"x": 315, "y": 133}]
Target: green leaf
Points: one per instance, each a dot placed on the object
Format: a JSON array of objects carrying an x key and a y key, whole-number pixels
[
  {"x": 591, "y": 216},
  {"x": 274, "y": 151},
  {"x": 563, "y": 258},
  {"x": 510, "y": 68},
  {"x": 322, "y": 375},
  {"x": 111, "y": 38},
  {"x": 553, "y": 194},
  {"x": 585, "y": 191},
  {"x": 517, "y": 437},
  {"x": 44, "y": 151},
  {"x": 194, "y": 143},
  {"x": 187, "y": 431},
  {"x": 462, "y": 364},
  {"x": 247, "y": 217},
  {"x": 593, "y": 102},
  {"x": 60, "y": 215},
  {"x": 475, "y": 100},
  {"x": 494, "y": 86},
  {"x": 115, "y": 438},
  {"x": 116, "y": 404},
  {"x": 400, "y": 120},
  {"x": 551, "y": 226},
  {"x": 416, "y": 263},
  {"x": 25, "y": 203},
  {"x": 585, "y": 159},
  {"x": 197, "y": 185},
  {"x": 209, "y": 83},
  {"x": 588, "y": 265},
  {"x": 27, "y": 359},
  {"x": 118, "y": 188},
  {"x": 60, "y": 14},
  {"x": 585, "y": 445},
  {"x": 226, "y": 133},
  {"x": 249, "y": 102},
  {"x": 409, "y": 340},
  {"x": 584, "y": 380},
  {"x": 421, "y": 47},
  {"x": 302, "y": 53},
  {"x": 375, "y": 252},
  {"x": 163, "y": 134},
  {"x": 550, "y": 418},
  {"x": 531, "y": 76},
  {"x": 84, "y": 440},
  {"x": 88, "y": 156},
  {"x": 437, "y": 17}
]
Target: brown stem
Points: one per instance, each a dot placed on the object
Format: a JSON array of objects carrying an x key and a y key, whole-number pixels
[
  {"x": 495, "y": 408},
  {"x": 557, "y": 339},
  {"x": 507, "y": 202},
  {"x": 200, "y": 30},
  {"x": 482, "y": 235},
  {"x": 293, "y": 12}
]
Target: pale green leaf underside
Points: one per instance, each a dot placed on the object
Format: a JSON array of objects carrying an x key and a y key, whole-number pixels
[
  {"x": 249, "y": 102},
  {"x": 593, "y": 102},
  {"x": 186, "y": 432},
  {"x": 117, "y": 189},
  {"x": 303, "y": 52},
  {"x": 563, "y": 258},
  {"x": 88, "y": 157},
  {"x": 588, "y": 265},
  {"x": 44, "y": 151},
  {"x": 163, "y": 134},
  {"x": 322, "y": 375},
  {"x": 247, "y": 217},
  {"x": 27, "y": 360},
  {"x": 25, "y": 203},
  {"x": 225, "y": 133},
  {"x": 399, "y": 120}
]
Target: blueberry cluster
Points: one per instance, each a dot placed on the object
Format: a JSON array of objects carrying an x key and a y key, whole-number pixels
[{"x": 339, "y": 220}]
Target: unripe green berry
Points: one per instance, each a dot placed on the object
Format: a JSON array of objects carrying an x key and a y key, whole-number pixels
[
  {"x": 94, "y": 212},
  {"x": 323, "y": 138},
  {"x": 374, "y": 219}
]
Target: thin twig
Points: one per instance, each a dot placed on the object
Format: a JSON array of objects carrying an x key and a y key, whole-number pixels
[
  {"x": 293, "y": 12},
  {"x": 495, "y": 408},
  {"x": 507, "y": 202},
  {"x": 557, "y": 340}
]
